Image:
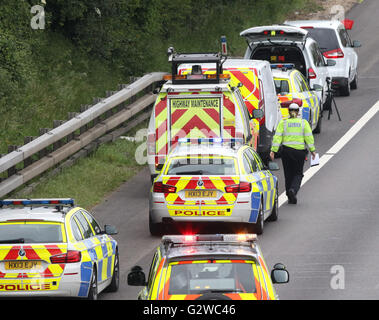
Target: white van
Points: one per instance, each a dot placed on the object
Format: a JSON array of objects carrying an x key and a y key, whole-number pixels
[{"x": 255, "y": 81}]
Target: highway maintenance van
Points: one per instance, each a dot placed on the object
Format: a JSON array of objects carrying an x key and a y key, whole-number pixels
[
  {"x": 255, "y": 80},
  {"x": 197, "y": 105}
]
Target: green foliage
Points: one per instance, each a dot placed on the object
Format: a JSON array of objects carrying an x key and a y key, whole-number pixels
[{"x": 89, "y": 46}]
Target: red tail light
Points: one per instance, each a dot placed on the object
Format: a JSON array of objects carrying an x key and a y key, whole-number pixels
[
  {"x": 311, "y": 74},
  {"x": 238, "y": 188},
  {"x": 159, "y": 187},
  {"x": 286, "y": 104},
  {"x": 334, "y": 54},
  {"x": 69, "y": 257}
]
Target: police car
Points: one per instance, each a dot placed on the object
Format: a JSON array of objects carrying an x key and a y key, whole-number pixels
[
  {"x": 214, "y": 180},
  {"x": 292, "y": 87},
  {"x": 208, "y": 267},
  {"x": 49, "y": 247}
]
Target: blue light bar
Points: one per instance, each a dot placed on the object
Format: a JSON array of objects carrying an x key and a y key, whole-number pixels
[
  {"x": 282, "y": 66},
  {"x": 209, "y": 140},
  {"x": 30, "y": 202}
]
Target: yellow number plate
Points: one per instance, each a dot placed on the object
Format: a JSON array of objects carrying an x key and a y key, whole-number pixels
[
  {"x": 201, "y": 194},
  {"x": 22, "y": 265}
]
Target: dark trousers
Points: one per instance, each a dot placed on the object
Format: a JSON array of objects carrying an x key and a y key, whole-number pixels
[{"x": 293, "y": 164}]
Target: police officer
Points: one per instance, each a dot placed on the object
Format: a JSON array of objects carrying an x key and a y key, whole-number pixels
[{"x": 294, "y": 135}]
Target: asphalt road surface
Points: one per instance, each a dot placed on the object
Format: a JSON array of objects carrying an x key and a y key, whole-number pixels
[{"x": 328, "y": 241}]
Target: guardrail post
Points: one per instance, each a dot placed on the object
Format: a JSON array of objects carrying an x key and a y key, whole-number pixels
[
  {"x": 12, "y": 170},
  {"x": 28, "y": 161}
]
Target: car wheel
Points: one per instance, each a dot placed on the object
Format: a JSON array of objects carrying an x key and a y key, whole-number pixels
[
  {"x": 275, "y": 210},
  {"x": 354, "y": 84},
  {"x": 93, "y": 290},
  {"x": 258, "y": 226},
  {"x": 155, "y": 228},
  {"x": 113, "y": 287},
  {"x": 345, "y": 88},
  {"x": 318, "y": 127}
]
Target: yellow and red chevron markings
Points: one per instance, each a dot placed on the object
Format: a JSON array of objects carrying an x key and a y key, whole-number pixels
[
  {"x": 38, "y": 252},
  {"x": 210, "y": 183}
]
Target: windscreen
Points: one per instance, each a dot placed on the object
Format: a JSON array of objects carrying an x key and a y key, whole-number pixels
[
  {"x": 196, "y": 277},
  {"x": 202, "y": 166},
  {"x": 326, "y": 38},
  {"x": 30, "y": 232}
]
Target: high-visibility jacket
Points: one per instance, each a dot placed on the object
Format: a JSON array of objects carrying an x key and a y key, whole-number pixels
[{"x": 294, "y": 133}]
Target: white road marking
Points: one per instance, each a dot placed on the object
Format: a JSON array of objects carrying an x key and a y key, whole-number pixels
[{"x": 336, "y": 148}]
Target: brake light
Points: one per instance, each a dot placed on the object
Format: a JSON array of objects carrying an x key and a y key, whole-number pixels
[
  {"x": 306, "y": 27},
  {"x": 238, "y": 188},
  {"x": 311, "y": 74},
  {"x": 286, "y": 104},
  {"x": 334, "y": 54},
  {"x": 298, "y": 101},
  {"x": 159, "y": 187},
  {"x": 69, "y": 257}
]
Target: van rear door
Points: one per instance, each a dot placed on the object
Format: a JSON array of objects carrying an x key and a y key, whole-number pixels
[{"x": 194, "y": 116}]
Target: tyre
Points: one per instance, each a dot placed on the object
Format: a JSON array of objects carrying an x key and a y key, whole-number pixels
[
  {"x": 354, "y": 84},
  {"x": 259, "y": 225},
  {"x": 345, "y": 88},
  {"x": 93, "y": 290},
  {"x": 113, "y": 287},
  {"x": 275, "y": 210},
  {"x": 155, "y": 228},
  {"x": 318, "y": 127}
]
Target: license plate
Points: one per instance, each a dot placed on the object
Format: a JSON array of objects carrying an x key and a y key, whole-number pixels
[
  {"x": 22, "y": 265},
  {"x": 201, "y": 194}
]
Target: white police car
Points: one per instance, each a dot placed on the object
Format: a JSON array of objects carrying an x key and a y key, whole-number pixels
[
  {"x": 204, "y": 180},
  {"x": 49, "y": 247}
]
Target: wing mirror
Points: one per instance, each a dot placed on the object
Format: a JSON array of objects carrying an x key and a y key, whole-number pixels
[
  {"x": 279, "y": 274},
  {"x": 257, "y": 114},
  {"x": 317, "y": 87},
  {"x": 356, "y": 44},
  {"x": 111, "y": 230},
  {"x": 136, "y": 277},
  {"x": 330, "y": 63},
  {"x": 273, "y": 166}
]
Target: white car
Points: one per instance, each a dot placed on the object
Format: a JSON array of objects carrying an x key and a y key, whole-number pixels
[
  {"x": 335, "y": 44},
  {"x": 288, "y": 44},
  {"x": 50, "y": 248}
]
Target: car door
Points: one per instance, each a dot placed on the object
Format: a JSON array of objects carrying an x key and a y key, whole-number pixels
[
  {"x": 107, "y": 244},
  {"x": 350, "y": 54},
  {"x": 261, "y": 179},
  {"x": 310, "y": 108},
  {"x": 94, "y": 246},
  {"x": 320, "y": 69}
]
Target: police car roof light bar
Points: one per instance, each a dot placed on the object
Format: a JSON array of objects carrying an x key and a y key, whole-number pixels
[
  {"x": 210, "y": 140},
  {"x": 31, "y": 202},
  {"x": 282, "y": 66},
  {"x": 186, "y": 239}
]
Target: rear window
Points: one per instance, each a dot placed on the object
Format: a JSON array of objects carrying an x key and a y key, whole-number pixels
[
  {"x": 30, "y": 232},
  {"x": 202, "y": 166},
  {"x": 326, "y": 38},
  {"x": 198, "y": 277}
]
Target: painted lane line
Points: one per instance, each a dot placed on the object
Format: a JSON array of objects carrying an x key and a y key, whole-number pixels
[{"x": 336, "y": 148}]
